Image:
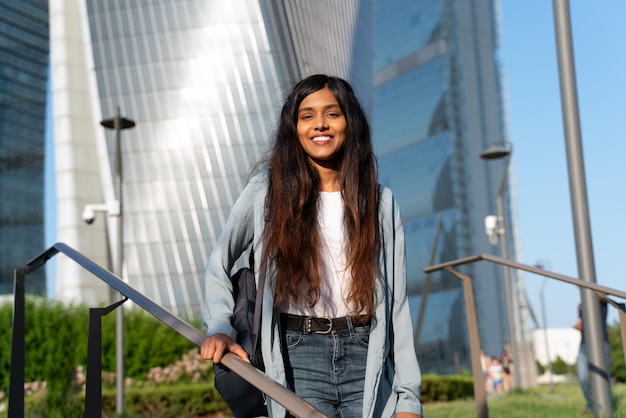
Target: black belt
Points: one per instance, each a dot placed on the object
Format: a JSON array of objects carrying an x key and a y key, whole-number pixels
[{"x": 311, "y": 324}]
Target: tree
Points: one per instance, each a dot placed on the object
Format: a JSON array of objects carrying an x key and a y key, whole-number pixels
[
  {"x": 618, "y": 368},
  {"x": 559, "y": 366}
]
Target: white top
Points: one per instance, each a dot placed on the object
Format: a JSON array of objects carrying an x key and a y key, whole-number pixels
[
  {"x": 495, "y": 371},
  {"x": 335, "y": 284}
]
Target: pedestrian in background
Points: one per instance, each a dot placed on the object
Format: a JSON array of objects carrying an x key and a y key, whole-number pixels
[{"x": 582, "y": 363}]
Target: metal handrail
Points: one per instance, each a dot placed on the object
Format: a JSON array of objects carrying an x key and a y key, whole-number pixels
[
  {"x": 479, "y": 387},
  {"x": 520, "y": 266},
  {"x": 254, "y": 376}
]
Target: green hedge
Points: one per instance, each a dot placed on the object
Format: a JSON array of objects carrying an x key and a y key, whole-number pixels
[
  {"x": 202, "y": 400},
  {"x": 194, "y": 400},
  {"x": 169, "y": 401},
  {"x": 56, "y": 342},
  {"x": 187, "y": 400},
  {"x": 618, "y": 367},
  {"x": 446, "y": 388}
]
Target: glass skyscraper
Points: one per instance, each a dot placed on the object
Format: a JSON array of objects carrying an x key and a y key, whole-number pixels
[
  {"x": 437, "y": 103},
  {"x": 204, "y": 82},
  {"x": 23, "y": 78}
]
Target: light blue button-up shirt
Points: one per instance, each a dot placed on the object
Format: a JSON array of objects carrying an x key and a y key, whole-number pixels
[{"x": 393, "y": 377}]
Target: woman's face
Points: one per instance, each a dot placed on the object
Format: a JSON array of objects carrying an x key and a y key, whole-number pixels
[{"x": 321, "y": 128}]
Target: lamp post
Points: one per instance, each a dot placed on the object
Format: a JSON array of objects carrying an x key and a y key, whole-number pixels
[
  {"x": 494, "y": 152},
  {"x": 541, "y": 265},
  {"x": 118, "y": 123},
  {"x": 545, "y": 334},
  {"x": 591, "y": 315}
]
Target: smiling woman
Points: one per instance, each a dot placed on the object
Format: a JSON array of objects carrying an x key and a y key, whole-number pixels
[{"x": 336, "y": 327}]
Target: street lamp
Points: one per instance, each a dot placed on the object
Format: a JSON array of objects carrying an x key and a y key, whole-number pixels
[
  {"x": 541, "y": 265},
  {"x": 591, "y": 313},
  {"x": 545, "y": 333},
  {"x": 496, "y": 228},
  {"x": 118, "y": 123}
]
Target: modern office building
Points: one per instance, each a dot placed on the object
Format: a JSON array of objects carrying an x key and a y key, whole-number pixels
[
  {"x": 23, "y": 78},
  {"x": 437, "y": 104},
  {"x": 203, "y": 81}
]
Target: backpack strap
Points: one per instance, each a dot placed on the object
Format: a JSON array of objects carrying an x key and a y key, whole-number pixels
[{"x": 258, "y": 305}]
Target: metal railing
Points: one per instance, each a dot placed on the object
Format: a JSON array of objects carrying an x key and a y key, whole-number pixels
[
  {"x": 93, "y": 396},
  {"x": 472, "y": 325}
]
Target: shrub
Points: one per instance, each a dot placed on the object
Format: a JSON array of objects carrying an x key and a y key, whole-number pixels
[
  {"x": 540, "y": 368},
  {"x": 446, "y": 388},
  {"x": 56, "y": 343},
  {"x": 173, "y": 400},
  {"x": 618, "y": 368},
  {"x": 559, "y": 366}
]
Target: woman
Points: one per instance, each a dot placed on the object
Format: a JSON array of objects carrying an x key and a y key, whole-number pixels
[
  {"x": 330, "y": 243},
  {"x": 507, "y": 370}
]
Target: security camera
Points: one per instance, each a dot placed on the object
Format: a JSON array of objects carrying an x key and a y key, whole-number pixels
[
  {"x": 89, "y": 215},
  {"x": 491, "y": 228}
]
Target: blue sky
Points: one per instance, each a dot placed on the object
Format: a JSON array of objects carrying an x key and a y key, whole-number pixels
[
  {"x": 535, "y": 126},
  {"x": 50, "y": 211}
]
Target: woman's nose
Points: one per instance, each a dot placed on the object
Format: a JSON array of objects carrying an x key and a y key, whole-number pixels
[{"x": 321, "y": 123}]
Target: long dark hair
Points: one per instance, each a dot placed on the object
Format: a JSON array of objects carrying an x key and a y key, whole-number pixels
[{"x": 291, "y": 239}]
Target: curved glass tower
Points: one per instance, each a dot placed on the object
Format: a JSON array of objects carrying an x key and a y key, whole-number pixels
[
  {"x": 437, "y": 104},
  {"x": 204, "y": 82}
]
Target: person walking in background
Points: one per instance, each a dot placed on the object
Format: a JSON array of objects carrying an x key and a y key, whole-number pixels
[
  {"x": 495, "y": 375},
  {"x": 485, "y": 362},
  {"x": 582, "y": 363},
  {"x": 507, "y": 371},
  {"x": 330, "y": 242}
]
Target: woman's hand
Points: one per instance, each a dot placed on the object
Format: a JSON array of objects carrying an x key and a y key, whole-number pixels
[
  {"x": 407, "y": 415},
  {"x": 215, "y": 346}
]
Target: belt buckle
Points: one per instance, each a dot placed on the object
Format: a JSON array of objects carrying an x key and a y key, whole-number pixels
[{"x": 330, "y": 327}]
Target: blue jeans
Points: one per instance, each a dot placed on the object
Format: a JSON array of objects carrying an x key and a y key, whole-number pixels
[
  {"x": 582, "y": 369},
  {"x": 328, "y": 370}
]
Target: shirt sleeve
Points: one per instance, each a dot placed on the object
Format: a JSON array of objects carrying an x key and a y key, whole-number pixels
[
  {"x": 407, "y": 378},
  {"x": 235, "y": 238}
]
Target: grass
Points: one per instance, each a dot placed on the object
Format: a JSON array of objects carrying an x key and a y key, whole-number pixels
[{"x": 566, "y": 401}]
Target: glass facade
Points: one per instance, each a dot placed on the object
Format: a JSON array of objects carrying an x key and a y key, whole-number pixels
[
  {"x": 204, "y": 81},
  {"x": 192, "y": 77},
  {"x": 403, "y": 27},
  {"x": 23, "y": 77},
  {"x": 421, "y": 98}
]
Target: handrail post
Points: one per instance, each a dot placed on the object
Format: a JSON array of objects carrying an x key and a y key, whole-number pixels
[
  {"x": 472, "y": 329},
  {"x": 93, "y": 383},
  {"x": 18, "y": 345}
]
